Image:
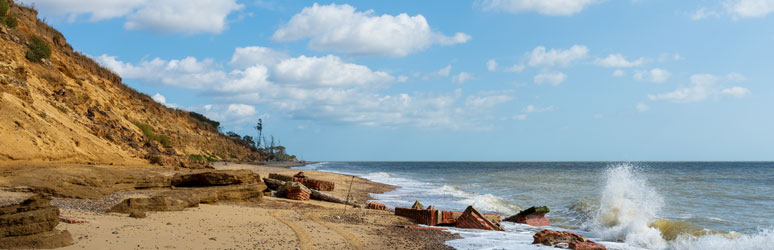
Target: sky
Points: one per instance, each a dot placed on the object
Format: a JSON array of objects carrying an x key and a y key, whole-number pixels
[{"x": 484, "y": 80}]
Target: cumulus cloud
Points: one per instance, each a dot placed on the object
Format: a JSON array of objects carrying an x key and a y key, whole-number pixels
[
  {"x": 619, "y": 73},
  {"x": 618, "y": 61},
  {"x": 228, "y": 114},
  {"x": 159, "y": 98},
  {"x": 170, "y": 16},
  {"x": 461, "y": 77},
  {"x": 491, "y": 65},
  {"x": 655, "y": 75},
  {"x": 545, "y": 7},
  {"x": 702, "y": 87},
  {"x": 551, "y": 78},
  {"x": 556, "y": 57},
  {"x": 488, "y": 99},
  {"x": 324, "y": 89},
  {"x": 248, "y": 56},
  {"x": 341, "y": 28},
  {"x": 750, "y": 8}
]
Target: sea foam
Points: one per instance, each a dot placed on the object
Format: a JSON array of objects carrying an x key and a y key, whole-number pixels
[{"x": 628, "y": 206}]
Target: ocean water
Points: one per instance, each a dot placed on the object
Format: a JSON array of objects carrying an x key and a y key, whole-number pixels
[{"x": 630, "y": 205}]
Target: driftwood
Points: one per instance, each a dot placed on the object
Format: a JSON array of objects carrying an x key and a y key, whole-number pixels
[{"x": 317, "y": 195}]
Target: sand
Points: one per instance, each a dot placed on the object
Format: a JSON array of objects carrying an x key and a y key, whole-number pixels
[{"x": 274, "y": 223}]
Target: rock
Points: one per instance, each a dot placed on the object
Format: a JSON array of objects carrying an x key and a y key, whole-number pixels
[
  {"x": 45, "y": 240},
  {"x": 376, "y": 206},
  {"x": 299, "y": 176},
  {"x": 575, "y": 241},
  {"x": 164, "y": 202},
  {"x": 215, "y": 178},
  {"x": 418, "y": 205},
  {"x": 472, "y": 218},
  {"x": 534, "y": 216},
  {"x": 31, "y": 224},
  {"x": 137, "y": 214}
]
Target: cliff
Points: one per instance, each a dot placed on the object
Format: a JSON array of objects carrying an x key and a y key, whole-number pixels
[{"x": 64, "y": 107}]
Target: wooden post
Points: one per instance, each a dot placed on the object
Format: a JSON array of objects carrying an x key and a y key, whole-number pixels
[{"x": 348, "y": 191}]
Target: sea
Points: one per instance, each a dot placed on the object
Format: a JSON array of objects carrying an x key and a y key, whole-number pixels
[{"x": 622, "y": 205}]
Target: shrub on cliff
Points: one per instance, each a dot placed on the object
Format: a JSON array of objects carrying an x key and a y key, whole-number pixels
[
  {"x": 147, "y": 131},
  {"x": 11, "y": 21},
  {"x": 3, "y": 9},
  {"x": 38, "y": 49}
]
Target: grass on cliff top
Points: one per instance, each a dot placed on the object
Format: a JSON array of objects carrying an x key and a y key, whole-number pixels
[{"x": 147, "y": 131}]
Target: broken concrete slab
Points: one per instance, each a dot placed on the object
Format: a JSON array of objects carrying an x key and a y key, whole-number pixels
[{"x": 472, "y": 218}]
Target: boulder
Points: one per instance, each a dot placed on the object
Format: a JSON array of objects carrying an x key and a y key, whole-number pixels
[
  {"x": 215, "y": 178},
  {"x": 418, "y": 205},
  {"x": 472, "y": 218},
  {"x": 31, "y": 223},
  {"x": 534, "y": 216},
  {"x": 575, "y": 241}
]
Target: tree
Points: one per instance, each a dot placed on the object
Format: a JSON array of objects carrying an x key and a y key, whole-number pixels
[
  {"x": 259, "y": 127},
  {"x": 249, "y": 140}
]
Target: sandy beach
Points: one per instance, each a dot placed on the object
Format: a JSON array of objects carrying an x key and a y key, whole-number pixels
[{"x": 273, "y": 223}]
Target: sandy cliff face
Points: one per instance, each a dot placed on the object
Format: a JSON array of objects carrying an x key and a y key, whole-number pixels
[{"x": 68, "y": 108}]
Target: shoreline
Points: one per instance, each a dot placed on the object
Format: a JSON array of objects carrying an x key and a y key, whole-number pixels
[{"x": 272, "y": 223}]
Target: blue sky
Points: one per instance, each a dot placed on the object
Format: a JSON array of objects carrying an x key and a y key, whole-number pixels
[{"x": 491, "y": 80}]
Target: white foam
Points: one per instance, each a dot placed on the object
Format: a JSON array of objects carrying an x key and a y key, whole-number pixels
[
  {"x": 627, "y": 207},
  {"x": 763, "y": 240},
  {"x": 484, "y": 202}
]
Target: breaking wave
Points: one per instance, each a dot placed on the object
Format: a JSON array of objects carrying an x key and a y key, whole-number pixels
[{"x": 628, "y": 206}]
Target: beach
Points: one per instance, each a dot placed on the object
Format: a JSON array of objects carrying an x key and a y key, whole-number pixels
[{"x": 273, "y": 223}]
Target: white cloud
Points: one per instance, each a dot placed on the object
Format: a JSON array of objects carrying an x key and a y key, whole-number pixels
[
  {"x": 516, "y": 68},
  {"x": 488, "y": 99},
  {"x": 619, "y": 73},
  {"x": 535, "y": 109},
  {"x": 618, "y": 61},
  {"x": 545, "y": 7},
  {"x": 461, "y": 77},
  {"x": 556, "y": 57},
  {"x": 491, "y": 65},
  {"x": 665, "y": 57},
  {"x": 341, "y": 28},
  {"x": 228, "y": 114},
  {"x": 599, "y": 116},
  {"x": 188, "y": 72},
  {"x": 323, "y": 89},
  {"x": 702, "y": 87},
  {"x": 750, "y": 8},
  {"x": 159, "y": 98},
  {"x": 641, "y": 107},
  {"x": 551, "y": 78},
  {"x": 169, "y": 16},
  {"x": 443, "y": 72},
  {"x": 252, "y": 55},
  {"x": 326, "y": 71},
  {"x": 655, "y": 75},
  {"x": 737, "y": 92},
  {"x": 183, "y": 16}
]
